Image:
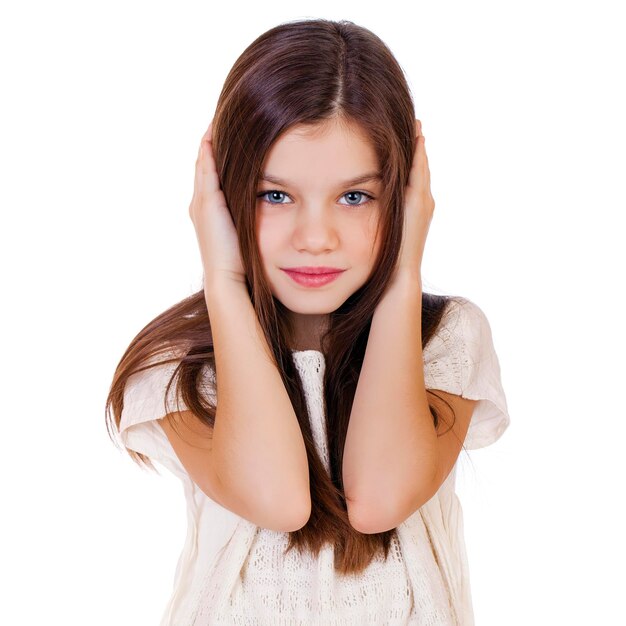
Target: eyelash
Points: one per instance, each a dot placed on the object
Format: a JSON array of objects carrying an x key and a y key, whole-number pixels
[{"x": 363, "y": 193}]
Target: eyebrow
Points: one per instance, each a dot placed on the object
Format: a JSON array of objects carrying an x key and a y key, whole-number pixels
[{"x": 364, "y": 178}]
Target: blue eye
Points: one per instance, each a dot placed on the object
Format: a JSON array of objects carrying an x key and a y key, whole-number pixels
[
  {"x": 275, "y": 192},
  {"x": 358, "y": 193},
  {"x": 271, "y": 192}
]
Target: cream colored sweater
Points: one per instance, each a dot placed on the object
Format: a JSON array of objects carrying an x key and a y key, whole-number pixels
[{"x": 232, "y": 572}]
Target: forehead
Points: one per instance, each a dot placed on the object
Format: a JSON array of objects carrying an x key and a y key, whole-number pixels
[{"x": 335, "y": 150}]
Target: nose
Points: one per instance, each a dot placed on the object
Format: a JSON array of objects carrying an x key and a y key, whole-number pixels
[{"x": 316, "y": 230}]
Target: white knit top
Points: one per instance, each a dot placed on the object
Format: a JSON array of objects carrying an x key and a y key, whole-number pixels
[{"x": 232, "y": 572}]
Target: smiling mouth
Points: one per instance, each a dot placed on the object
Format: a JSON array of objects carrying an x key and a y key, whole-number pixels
[{"x": 313, "y": 280}]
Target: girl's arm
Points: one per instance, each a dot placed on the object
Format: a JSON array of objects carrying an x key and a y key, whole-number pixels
[
  {"x": 391, "y": 444},
  {"x": 258, "y": 452},
  {"x": 258, "y": 461},
  {"x": 394, "y": 462}
]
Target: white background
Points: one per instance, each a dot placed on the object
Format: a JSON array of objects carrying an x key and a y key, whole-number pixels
[{"x": 103, "y": 107}]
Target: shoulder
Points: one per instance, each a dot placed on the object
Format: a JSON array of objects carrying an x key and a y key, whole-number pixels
[
  {"x": 461, "y": 347},
  {"x": 462, "y": 314},
  {"x": 461, "y": 359},
  {"x": 462, "y": 324},
  {"x": 151, "y": 391}
]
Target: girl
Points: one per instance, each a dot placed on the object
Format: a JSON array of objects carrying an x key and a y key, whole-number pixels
[{"x": 294, "y": 395}]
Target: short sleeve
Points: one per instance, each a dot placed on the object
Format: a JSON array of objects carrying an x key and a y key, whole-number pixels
[
  {"x": 461, "y": 359},
  {"x": 144, "y": 403}
]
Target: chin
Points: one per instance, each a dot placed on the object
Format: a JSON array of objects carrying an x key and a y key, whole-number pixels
[
  {"x": 296, "y": 305},
  {"x": 312, "y": 303}
]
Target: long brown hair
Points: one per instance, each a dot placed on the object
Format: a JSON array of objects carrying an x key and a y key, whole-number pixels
[{"x": 300, "y": 72}]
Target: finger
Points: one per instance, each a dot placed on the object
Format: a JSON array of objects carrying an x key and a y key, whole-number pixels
[
  {"x": 208, "y": 134},
  {"x": 423, "y": 157},
  {"x": 206, "y": 138},
  {"x": 417, "y": 167},
  {"x": 207, "y": 179}
]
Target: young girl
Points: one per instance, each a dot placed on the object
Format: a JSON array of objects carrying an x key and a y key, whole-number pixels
[{"x": 312, "y": 399}]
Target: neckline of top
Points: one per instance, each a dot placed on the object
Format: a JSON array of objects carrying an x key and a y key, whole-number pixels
[{"x": 305, "y": 351}]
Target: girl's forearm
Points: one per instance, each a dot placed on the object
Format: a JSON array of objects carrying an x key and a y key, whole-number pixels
[
  {"x": 391, "y": 443},
  {"x": 258, "y": 449}
]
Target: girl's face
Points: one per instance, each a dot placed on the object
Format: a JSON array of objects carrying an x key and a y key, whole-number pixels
[{"x": 313, "y": 211}]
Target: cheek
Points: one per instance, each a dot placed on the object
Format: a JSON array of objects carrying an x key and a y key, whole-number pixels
[
  {"x": 361, "y": 245},
  {"x": 266, "y": 236}
]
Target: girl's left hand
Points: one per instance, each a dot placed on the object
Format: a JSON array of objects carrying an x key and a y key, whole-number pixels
[{"x": 418, "y": 213}]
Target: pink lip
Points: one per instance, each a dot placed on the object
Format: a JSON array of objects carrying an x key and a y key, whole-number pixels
[
  {"x": 310, "y": 279},
  {"x": 314, "y": 269}
]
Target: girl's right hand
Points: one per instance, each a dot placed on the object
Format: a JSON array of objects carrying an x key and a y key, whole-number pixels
[{"x": 215, "y": 230}]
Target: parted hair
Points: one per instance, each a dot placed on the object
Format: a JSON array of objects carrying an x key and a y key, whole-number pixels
[{"x": 300, "y": 72}]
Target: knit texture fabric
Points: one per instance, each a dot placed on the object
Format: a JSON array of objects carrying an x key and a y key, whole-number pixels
[{"x": 233, "y": 572}]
